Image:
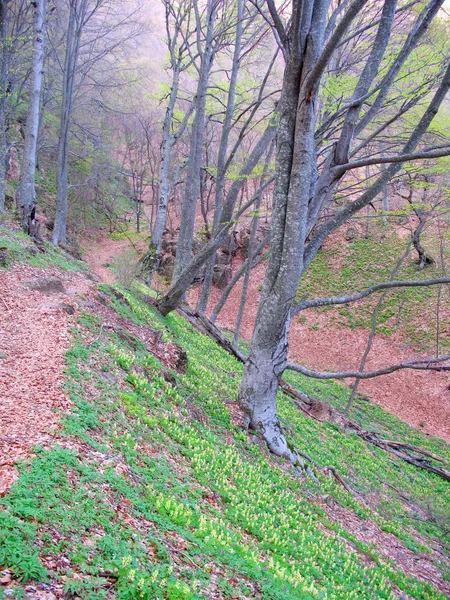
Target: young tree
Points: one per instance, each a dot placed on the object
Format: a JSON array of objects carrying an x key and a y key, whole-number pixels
[
  {"x": 206, "y": 50},
  {"x": 26, "y": 193},
  {"x": 179, "y": 33}
]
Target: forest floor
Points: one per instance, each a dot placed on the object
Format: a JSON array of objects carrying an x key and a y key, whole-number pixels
[
  {"x": 135, "y": 477},
  {"x": 420, "y": 398},
  {"x": 37, "y": 309}
]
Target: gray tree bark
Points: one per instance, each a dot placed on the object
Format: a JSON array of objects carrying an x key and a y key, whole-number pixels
[
  {"x": 77, "y": 15},
  {"x": 4, "y": 68},
  {"x": 222, "y": 155},
  {"x": 170, "y": 135},
  {"x": 26, "y": 192},
  {"x": 192, "y": 186},
  {"x": 296, "y": 200}
]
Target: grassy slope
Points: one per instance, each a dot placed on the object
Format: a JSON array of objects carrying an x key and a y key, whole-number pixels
[
  {"x": 353, "y": 266},
  {"x": 152, "y": 491}
]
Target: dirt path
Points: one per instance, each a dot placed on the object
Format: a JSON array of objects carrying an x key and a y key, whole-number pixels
[
  {"x": 34, "y": 338},
  {"x": 101, "y": 251},
  {"x": 420, "y": 398}
]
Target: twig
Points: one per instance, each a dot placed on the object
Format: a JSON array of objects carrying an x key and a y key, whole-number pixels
[
  {"x": 3, "y": 300},
  {"x": 338, "y": 478},
  {"x": 97, "y": 338}
]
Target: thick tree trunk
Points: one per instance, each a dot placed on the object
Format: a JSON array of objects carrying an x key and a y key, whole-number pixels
[
  {"x": 26, "y": 193},
  {"x": 295, "y": 176},
  {"x": 4, "y": 68}
]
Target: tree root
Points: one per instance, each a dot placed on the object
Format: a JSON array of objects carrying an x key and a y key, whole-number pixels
[{"x": 304, "y": 403}]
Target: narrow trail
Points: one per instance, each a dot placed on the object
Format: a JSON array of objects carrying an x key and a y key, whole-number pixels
[
  {"x": 34, "y": 337},
  {"x": 101, "y": 251}
]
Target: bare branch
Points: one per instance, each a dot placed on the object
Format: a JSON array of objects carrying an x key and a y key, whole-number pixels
[
  {"x": 400, "y": 158},
  {"x": 425, "y": 364},
  {"x": 304, "y": 304}
]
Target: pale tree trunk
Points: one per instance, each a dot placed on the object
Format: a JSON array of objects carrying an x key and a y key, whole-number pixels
[
  {"x": 222, "y": 155},
  {"x": 179, "y": 286},
  {"x": 192, "y": 187},
  {"x": 296, "y": 202},
  {"x": 165, "y": 187},
  {"x": 4, "y": 67},
  {"x": 268, "y": 351},
  {"x": 26, "y": 192},
  {"x": 295, "y": 177},
  {"x": 77, "y": 15}
]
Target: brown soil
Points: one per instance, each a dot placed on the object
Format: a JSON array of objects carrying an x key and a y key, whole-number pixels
[
  {"x": 420, "y": 398},
  {"x": 34, "y": 337},
  {"x": 421, "y": 566},
  {"x": 101, "y": 251}
]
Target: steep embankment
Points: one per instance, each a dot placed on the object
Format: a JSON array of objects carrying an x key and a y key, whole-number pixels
[
  {"x": 335, "y": 340},
  {"x": 151, "y": 488},
  {"x": 421, "y": 399},
  {"x": 37, "y": 307}
]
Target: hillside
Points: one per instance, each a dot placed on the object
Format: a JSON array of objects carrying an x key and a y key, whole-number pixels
[{"x": 148, "y": 486}]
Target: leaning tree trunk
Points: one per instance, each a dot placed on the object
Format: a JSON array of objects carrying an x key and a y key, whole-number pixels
[
  {"x": 180, "y": 284},
  {"x": 294, "y": 175},
  {"x": 221, "y": 159},
  {"x": 26, "y": 193}
]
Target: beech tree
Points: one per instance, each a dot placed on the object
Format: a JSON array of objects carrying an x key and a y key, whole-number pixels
[
  {"x": 179, "y": 33},
  {"x": 26, "y": 193},
  {"x": 319, "y": 150},
  {"x": 305, "y": 183}
]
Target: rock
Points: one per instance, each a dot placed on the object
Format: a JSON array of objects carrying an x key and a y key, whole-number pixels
[
  {"x": 223, "y": 259},
  {"x": 166, "y": 267},
  {"x": 245, "y": 243},
  {"x": 221, "y": 276},
  {"x": 169, "y": 246},
  {"x": 68, "y": 308},
  {"x": 350, "y": 234},
  {"x": 230, "y": 245},
  {"x": 46, "y": 285},
  {"x": 3, "y": 356}
]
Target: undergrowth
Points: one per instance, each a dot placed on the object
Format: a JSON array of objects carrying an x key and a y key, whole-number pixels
[
  {"x": 153, "y": 490},
  {"x": 363, "y": 262}
]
